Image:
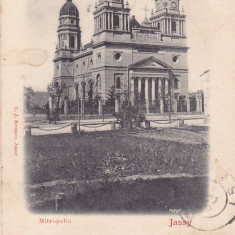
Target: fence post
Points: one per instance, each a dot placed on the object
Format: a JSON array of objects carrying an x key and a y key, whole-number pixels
[
  {"x": 28, "y": 131},
  {"x": 147, "y": 124},
  {"x": 100, "y": 107},
  {"x": 113, "y": 126},
  {"x": 181, "y": 122},
  {"x": 74, "y": 128},
  {"x": 206, "y": 119}
]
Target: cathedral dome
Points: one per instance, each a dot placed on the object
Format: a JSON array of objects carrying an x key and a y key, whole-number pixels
[{"x": 69, "y": 9}]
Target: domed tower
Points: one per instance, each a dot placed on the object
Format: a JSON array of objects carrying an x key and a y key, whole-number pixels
[
  {"x": 69, "y": 35},
  {"x": 69, "y": 32}
]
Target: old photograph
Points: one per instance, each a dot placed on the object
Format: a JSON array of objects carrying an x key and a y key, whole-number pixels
[{"x": 117, "y": 129}]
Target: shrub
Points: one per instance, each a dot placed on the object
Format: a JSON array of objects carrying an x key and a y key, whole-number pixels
[{"x": 130, "y": 116}]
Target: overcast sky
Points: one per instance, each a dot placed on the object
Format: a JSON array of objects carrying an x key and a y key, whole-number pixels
[{"x": 40, "y": 23}]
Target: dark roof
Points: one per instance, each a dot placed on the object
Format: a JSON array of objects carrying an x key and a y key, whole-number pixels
[
  {"x": 69, "y": 9},
  {"x": 134, "y": 23}
]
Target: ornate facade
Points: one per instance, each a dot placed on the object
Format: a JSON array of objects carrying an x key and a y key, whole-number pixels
[{"x": 147, "y": 60}]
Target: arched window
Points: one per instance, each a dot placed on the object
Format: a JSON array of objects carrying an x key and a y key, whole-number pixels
[
  {"x": 83, "y": 90},
  {"x": 176, "y": 83},
  {"x": 158, "y": 25},
  {"x": 116, "y": 21},
  {"x": 90, "y": 93},
  {"x": 98, "y": 82},
  {"x": 173, "y": 26},
  {"x": 72, "y": 42},
  {"x": 100, "y": 22},
  {"x": 118, "y": 83},
  {"x": 76, "y": 90}
]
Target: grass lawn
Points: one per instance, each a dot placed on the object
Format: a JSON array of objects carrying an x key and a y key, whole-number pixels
[{"x": 107, "y": 155}]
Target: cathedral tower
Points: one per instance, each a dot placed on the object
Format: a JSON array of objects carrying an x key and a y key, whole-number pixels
[
  {"x": 168, "y": 18},
  {"x": 69, "y": 32},
  {"x": 69, "y": 42},
  {"x": 112, "y": 16}
]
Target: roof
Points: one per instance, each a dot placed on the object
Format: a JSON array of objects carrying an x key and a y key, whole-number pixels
[
  {"x": 134, "y": 23},
  {"x": 150, "y": 62},
  {"x": 69, "y": 9}
]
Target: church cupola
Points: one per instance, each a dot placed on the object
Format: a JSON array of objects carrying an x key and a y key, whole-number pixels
[
  {"x": 168, "y": 18},
  {"x": 167, "y": 5},
  {"x": 69, "y": 32},
  {"x": 112, "y": 16}
]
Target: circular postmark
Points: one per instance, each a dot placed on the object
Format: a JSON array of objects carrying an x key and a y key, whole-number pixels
[{"x": 218, "y": 213}]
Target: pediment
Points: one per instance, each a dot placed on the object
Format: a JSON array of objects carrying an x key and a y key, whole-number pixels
[{"x": 151, "y": 62}]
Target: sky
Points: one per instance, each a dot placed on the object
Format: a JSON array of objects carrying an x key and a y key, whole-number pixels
[{"x": 39, "y": 23}]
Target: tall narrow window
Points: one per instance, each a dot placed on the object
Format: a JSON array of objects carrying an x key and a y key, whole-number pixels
[
  {"x": 158, "y": 25},
  {"x": 116, "y": 21},
  {"x": 176, "y": 83},
  {"x": 118, "y": 83},
  {"x": 173, "y": 26},
  {"x": 84, "y": 90},
  {"x": 72, "y": 41},
  {"x": 90, "y": 93},
  {"x": 76, "y": 90},
  {"x": 98, "y": 83}
]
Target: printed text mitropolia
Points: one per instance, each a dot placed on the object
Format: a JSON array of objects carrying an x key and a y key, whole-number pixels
[{"x": 54, "y": 221}]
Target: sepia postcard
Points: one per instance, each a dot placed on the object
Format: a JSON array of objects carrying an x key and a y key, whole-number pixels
[{"x": 117, "y": 117}]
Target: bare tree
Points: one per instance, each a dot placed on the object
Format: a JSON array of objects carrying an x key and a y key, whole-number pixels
[
  {"x": 55, "y": 90},
  {"x": 28, "y": 94}
]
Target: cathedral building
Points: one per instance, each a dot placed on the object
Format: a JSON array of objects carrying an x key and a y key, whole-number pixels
[{"x": 147, "y": 61}]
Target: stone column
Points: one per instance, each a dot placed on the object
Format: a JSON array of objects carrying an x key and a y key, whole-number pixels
[
  {"x": 188, "y": 105},
  {"x": 161, "y": 95},
  {"x": 82, "y": 107},
  {"x": 139, "y": 88},
  {"x": 112, "y": 20},
  {"x": 166, "y": 86},
  {"x": 199, "y": 103},
  {"x": 116, "y": 105},
  {"x": 104, "y": 21},
  {"x": 121, "y": 25},
  {"x": 95, "y": 25},
  {"x": 182, "y": 27},
  {"x": 166, "y": 26},
  {"x": 108, "y": 20},
  {"x": 100, "y": 108},
  {"x": 163, "y": 26},
  {"x": 167, "y": 92},
  {"x": 153, "y": 90},
  {"x": 147, "y": 94},
  {"x": 132, "y": 90},
  {"x": 174, "y": 105},
  {"x": 124, "y": 22},
  {"x": 181, "y": 30}
]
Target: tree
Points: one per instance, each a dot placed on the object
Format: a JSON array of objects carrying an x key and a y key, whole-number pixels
[
  {"x": 55, "y": 90},
  {"x": 28, "y": 94},
  {"x": 111, "y": 97}
]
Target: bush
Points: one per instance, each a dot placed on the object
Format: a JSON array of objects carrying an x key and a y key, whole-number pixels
[{"x": 130, "y": 116}]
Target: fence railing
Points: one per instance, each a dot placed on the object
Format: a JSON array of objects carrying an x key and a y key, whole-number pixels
[{"x": 76, "y": 126}]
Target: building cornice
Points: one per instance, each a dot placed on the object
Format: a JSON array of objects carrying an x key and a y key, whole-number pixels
[{"x": 139, "y": 45}]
